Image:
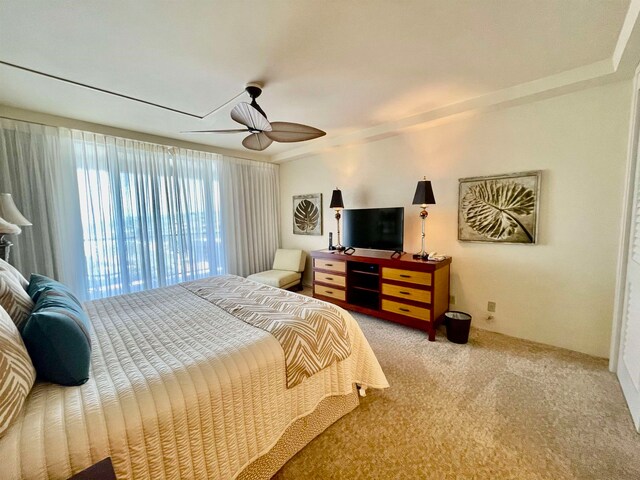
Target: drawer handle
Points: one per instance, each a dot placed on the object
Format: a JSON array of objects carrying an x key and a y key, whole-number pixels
[
  {"x": 329, "y": 278},
  {"x": 405, "y": 293},
  {"x": 329, "y": 291},
  {"x": 405, "y": 276},
  {"x": 404, "y": 309},
  {"x": 329, "y": 264}
]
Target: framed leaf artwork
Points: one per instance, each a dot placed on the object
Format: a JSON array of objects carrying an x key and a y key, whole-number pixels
[
  {"x": 307, "y": 214},
  {"x": 499, "y": 208}
]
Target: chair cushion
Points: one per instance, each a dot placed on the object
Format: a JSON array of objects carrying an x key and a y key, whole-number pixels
[
  {"x": 17, "y": 374},
  {"x": 276, "y": 278},
  {"x": 291, "y": 260}
]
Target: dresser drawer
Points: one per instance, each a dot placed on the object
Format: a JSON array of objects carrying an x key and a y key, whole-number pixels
[
  {"x": 414, "y": 294},
  {"x": 333, "y": 265},
  {"x": 329, "y": 292},
  {"x": 330, "y": 278},
  {"x": 410, "y": 276},
  {"x": 406, "y": 310}
]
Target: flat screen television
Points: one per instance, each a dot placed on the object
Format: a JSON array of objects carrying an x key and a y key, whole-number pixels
[{"x": 375, "y": 228}]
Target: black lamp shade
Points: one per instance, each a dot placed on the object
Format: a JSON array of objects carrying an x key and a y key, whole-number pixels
[
  {"x": 424, "y": 194},
  {"x": 336, "y": 199}
]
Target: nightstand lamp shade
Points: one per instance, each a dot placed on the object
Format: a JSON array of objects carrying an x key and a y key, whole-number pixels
[
  {"x": 7, "y": 228},
  {"x": 10, "y": 212},
  {"x": 423, "y": 197},
  {"x": 337, "y": 203},
  {"x": 10, "y": 222}
]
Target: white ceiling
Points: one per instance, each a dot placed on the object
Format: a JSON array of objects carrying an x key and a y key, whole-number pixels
[{"x": 341, "y": 66}]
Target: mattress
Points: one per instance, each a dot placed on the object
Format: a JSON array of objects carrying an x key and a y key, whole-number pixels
[{"x": 179, "y": 388}]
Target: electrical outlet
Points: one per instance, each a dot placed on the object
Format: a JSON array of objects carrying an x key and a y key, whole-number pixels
[
  {"x": 491, "y": 307},
  {"x": 452, "y": 299}
]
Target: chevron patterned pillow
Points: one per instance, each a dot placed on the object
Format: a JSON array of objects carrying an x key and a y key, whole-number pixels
[
  {"x": 17, "y": 374},
  {"x": 14, "y": 299},
  {"x": 13, "y": 272}
]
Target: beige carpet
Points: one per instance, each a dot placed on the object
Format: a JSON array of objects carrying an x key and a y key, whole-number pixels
[{"x": 496, "y": 408}]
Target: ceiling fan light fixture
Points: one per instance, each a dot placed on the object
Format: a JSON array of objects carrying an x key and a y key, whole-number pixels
[{"x": 264, "y": 133}]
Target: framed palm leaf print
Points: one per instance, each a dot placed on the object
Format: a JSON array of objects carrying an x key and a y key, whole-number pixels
[
  {"x": 307, "y": 214},
  {"x": 499, "y": 208}
]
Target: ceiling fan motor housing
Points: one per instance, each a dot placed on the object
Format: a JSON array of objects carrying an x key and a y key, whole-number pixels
[{"x": 253, "y": 89}]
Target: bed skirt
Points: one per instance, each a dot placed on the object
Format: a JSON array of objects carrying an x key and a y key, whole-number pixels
[{"x": 299, "y": 434}]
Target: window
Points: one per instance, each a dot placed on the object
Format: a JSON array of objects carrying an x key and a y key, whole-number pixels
[{"x": 150, "y": 215}]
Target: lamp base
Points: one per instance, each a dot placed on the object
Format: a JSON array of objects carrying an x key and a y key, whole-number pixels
[
  {"x": 421, "y": 256},
  {"x": 339, "y": 248},
  {"x": 5, "y": 247}
]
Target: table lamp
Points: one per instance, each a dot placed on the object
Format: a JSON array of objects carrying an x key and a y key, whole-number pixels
[
  {"x": 338, "y": 204},
  {"x": 423, "y": 197},
  {"x": 10, "y": 222}
]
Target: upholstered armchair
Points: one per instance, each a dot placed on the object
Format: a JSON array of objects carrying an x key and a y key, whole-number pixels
[{"x": 286, "y": 273}]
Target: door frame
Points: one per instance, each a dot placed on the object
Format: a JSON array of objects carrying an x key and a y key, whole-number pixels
[{"x": 625, "y": 227}]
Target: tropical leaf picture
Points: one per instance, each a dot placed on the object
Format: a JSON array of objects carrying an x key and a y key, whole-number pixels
[
  {"x": 307, "y": 214},
  {"x": 499, "y": 209}
]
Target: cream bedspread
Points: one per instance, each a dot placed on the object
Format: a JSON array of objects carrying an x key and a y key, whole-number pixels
[{"x": 179, "y": 389}]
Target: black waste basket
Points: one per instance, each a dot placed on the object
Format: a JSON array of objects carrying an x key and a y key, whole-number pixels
[{"x": 458, "y": 325}]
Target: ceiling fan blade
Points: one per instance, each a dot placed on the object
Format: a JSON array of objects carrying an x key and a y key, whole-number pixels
[
  {"x": 247, "y": 115},
  {"x": 292, "y": 132},
  {"x": 231, "y": 130},
  {"x": 257, "y": 141}
]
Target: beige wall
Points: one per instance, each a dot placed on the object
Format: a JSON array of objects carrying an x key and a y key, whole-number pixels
[{"x": 559, "y": 292}]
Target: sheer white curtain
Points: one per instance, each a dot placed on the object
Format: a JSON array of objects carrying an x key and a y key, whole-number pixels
[
  {"x": 113, "y": 215},
  {"x": 36, "y": 167},
  {"x": 150, "y": 214},
  {"x": 250, "y": 193}
]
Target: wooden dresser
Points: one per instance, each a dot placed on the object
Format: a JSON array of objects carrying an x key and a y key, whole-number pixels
[{"x": 403, "y": 290}]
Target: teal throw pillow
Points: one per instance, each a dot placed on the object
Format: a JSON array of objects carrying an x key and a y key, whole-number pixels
[
  {"x": 40, "y": 283},
  {"x": 58, "y": 339}
]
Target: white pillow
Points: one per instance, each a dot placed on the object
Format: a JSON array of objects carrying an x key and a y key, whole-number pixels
[
  {"x": 17, "y": 374},
  {"x": 14, "y": 299},
  {"x": 13, "y": 271}
]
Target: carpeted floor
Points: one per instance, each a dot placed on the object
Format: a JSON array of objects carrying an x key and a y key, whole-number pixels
[{"x": 496, "y": 408}]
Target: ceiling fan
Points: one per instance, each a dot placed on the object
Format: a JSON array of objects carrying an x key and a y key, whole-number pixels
[{"x": 263, "y": 133}]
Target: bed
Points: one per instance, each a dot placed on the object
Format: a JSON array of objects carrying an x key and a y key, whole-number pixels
[{"x": 193, "y": 381}]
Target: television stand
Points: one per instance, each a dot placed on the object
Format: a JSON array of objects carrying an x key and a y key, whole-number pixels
[{"x": 381, "y": 284}]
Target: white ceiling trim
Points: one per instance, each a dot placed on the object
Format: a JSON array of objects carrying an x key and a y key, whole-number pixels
[
  {"x": 626, "y": 33},
  {"x": 623, "y": 61}
]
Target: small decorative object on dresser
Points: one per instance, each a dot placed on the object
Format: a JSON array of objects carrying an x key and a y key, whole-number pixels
[
  {"x": 307, "y": 214},
  {"x": 10, "y": 222},
  {"x": 499, "y": 208},
  {"x": 410, "y": 291}
]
